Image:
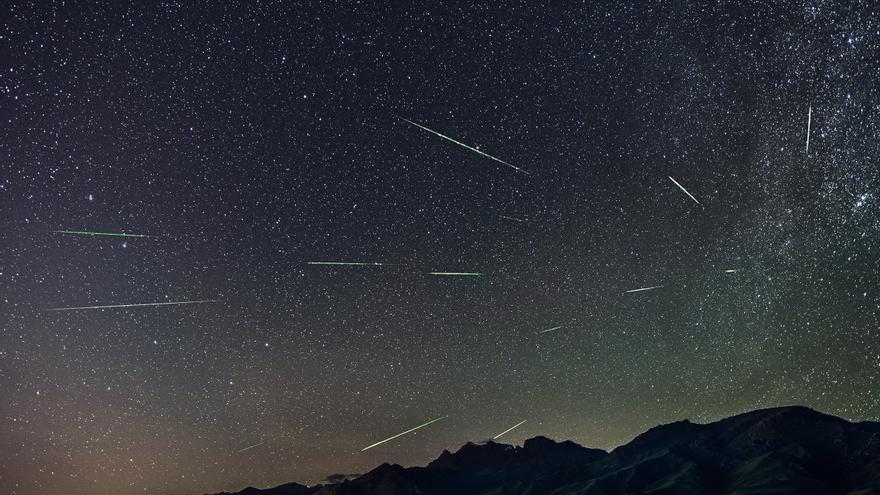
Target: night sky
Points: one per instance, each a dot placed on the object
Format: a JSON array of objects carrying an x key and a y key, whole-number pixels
[{"x": 249, "y": 138}]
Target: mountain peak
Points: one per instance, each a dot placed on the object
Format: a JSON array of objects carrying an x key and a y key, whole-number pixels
[
  {"x": 471, "y": 454},
  {"x": 285, "y": 489},
  {"x": 786, "y": 450}
]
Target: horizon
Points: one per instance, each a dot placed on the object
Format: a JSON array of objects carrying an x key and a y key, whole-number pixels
[{"x": 520, "y": 445}]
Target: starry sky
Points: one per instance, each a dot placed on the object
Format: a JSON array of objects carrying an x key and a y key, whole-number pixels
[{"x": 249, "y": 138}]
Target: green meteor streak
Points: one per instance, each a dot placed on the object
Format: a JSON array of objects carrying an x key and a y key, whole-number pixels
[
  {"x": 344, "y": 263},
  {"x": 402, "y": 434},
  {"x": 108, "y": 234},
  {"x": 461, "y": 144},
  {"x": 458, "y": 274},
  {"x": 113, "y": 306}
]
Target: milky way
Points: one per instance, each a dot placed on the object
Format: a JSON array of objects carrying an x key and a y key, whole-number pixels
[{"x": 251, "y": 138}]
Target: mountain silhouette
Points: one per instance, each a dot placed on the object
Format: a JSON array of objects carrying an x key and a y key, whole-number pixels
[{"x": 786, "y": 450}]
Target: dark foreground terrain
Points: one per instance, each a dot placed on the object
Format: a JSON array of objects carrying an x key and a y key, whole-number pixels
[{"x": 790, "y": 450}]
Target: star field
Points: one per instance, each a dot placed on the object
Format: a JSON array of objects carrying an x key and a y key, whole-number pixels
[{"x": 247, "y": 139}]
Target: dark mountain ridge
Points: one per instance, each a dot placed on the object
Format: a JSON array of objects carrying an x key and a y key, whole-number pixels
[{"x": 786, "y": 450}]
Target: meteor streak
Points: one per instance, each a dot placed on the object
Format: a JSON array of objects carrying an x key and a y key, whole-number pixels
[
  {"x": 458, "y": 274},
  {"x": 109, "y": 306},
  {"x": 402, "y": 434},
  {"x": 461, "y": 144},
  {"x": 511, "y": 218},
  {"x": 108, "y": 234},
  {"x": 643, "y": 289},
  {"x": 252, "y": 446},
  {"x": 543, "y": 331},
  {"x": 732, "y": 270},
  {"x": 345, "y": 263},
  {"x": 507, "y": 430},
  {"x": 361, "y": 263},
  {"x": 685, "y": 190},
  {"x": 809, "y": 119}
]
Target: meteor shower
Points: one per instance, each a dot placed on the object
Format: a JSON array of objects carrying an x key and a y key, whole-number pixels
[{"x": 295, "y": 247}]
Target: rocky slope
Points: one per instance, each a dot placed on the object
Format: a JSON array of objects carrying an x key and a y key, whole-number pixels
[{"x": 789, "y": 450}]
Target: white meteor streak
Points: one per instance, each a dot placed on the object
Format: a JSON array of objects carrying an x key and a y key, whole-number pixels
[
  {"x": 643, "y": 289},
  {"x": 345, "y": 263},
  {"x": 110, "y": 306},
  {"x": 685, "y": 190},
  {"x": 252, "y": 446},
  {"x": 457, "y": 274},
  {"x": 402, "y": 434},
  {"x": 809, "y": 120},
  {"x": 550, "y": 330},
  {"x": 107, "y": 234},
  {"x": 508, "y": 430},
  {"x": 732, "y": 270}
]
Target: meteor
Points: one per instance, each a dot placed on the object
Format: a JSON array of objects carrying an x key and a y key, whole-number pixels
[
  {"x": 511, "y": 218},
  {"x": 111, "y": 306},
  {"x": 732, "y": 270},
  {"x": 508, "y": 430},
  {"x": 345, "y": 263},
  {"x": 461, "y": 144},
  {"x": 252, "y": 446},
  {"x": 809, "y": 119},
  {"x": 544, "y": 331},
  {"x": 458, "y": 274},
  {"x": 685, "y": 190},
  {"x": 362, "y": 263},
  {"x": 108, "y": 234},
  {"x": 643, "y": 289},
  {"x": 402, "y": 434}
]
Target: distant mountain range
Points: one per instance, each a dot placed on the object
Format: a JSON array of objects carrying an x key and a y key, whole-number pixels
[{"x": 788, "y": 450}]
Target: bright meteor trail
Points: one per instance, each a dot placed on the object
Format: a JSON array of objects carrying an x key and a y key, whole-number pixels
[
  {"x": 545, "y": 331},
  {"x": 809, "y": 119},
  {"x": 643, "y": 289},
  {"x": 345, "y": 263},
  {"x": 360, "y": 263},
  {"x": 252, "y": 446},
  {"x": 402, "y": 434},
  {"x": 685, "y": 190},
  {"x": 462, "y": 144},
  {"x": 108, "y": 234},
  {"x": 458, "y": 274},
  {"x": 508, "y": 430},
  {"x": 109, "y": 306}
]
